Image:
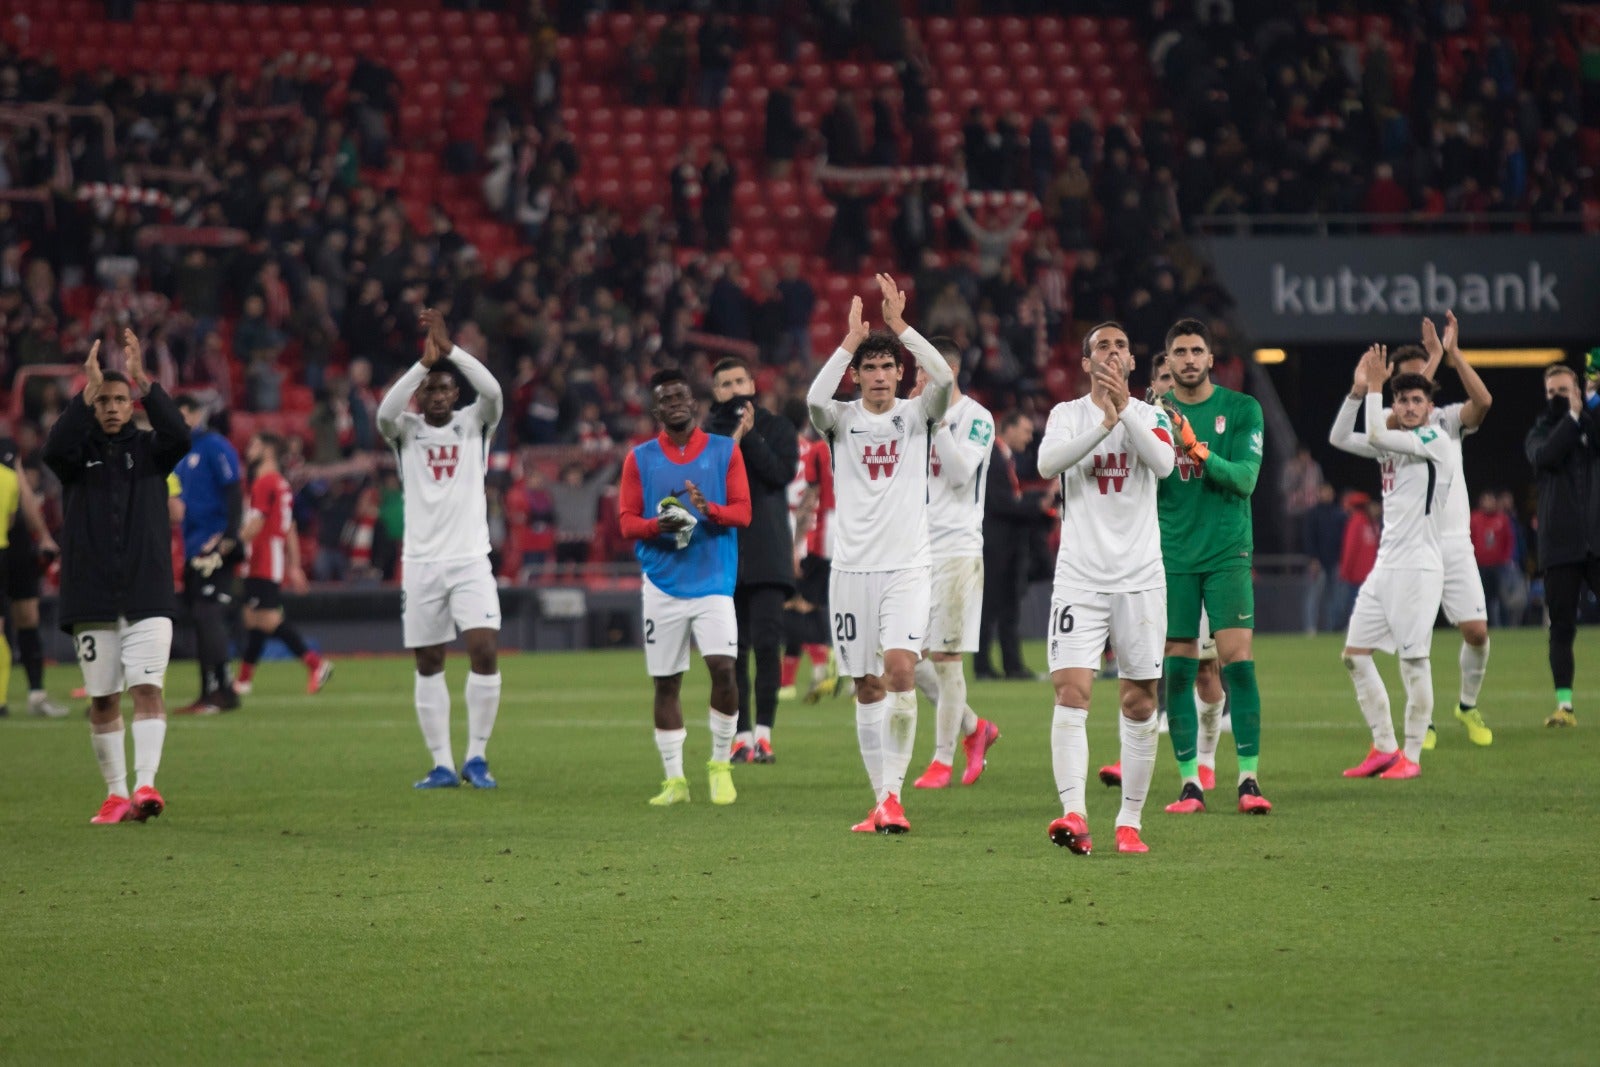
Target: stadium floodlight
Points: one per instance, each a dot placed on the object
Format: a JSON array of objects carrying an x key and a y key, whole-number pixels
[
  {"x": 1513, "y": 357},
  {"x": 1271, "y": 355}
]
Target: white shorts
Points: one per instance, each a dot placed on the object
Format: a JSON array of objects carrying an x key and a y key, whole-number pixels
[
  {"x": 1463, "y": 599},
  {"x": 1134, "y": 623},
  {"x": 875, "y": 612},
  {"x": 437, "y": 600},
  {"x": 119, "y": 656},
  {"x": 1208, "y": 643},
  {"x": 1394, "y": 612},
  {"x": 669, "y": 620},
  {"x": 956, "y": 606}
]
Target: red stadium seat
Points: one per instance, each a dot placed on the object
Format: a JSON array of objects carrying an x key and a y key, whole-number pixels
[
  {"x": 937, "y": 29},
  {"x": 976, "y": 29},
  {"x": 984, "y": 53}
]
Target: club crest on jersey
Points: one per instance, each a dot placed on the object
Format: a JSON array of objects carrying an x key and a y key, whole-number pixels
[
  {"x": 442, "y": 460},
  {"x": 934, "y": 464},
  {"x": 899, "y": 424},
  {"x": 1222, "y": 424},
  {"x": 881, "y": 459},
  {"x": 1111, "y": 470}
]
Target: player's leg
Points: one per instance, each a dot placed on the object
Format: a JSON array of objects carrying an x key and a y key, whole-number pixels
[
  {"x": 145, "y": 647},
  {"x": 853, "y": 627},
  {"x": 716, "y": 632},
  {"x": 1369, "y": 631},
  {"x": 766, "y": 639},
  {"x": 99, "y": 648},
  {"x": 667, "y": 622},
  {"x": 793, "y": 640},
  {"x": 744, "y": 745},
  {"x": 1080, "y": 623},
  {"x": 475, "y": 611},
  {"x": 1412, "y": 603},
  {"x": 1466, "y": 607},
  {"x": 274, "y": 622},
  {"x": 1209, "y": 702},
  {"x": 1562, "y": 584},
  {"x": 1229, "y": 594},
  {"x": 903, "y": 614},
  {"x": 22, "y": 587},
  {"x": 816, "y": 582},
  {"x": 957, "y": 594},
  {"x": 1138, "y": 630},
  {"x": 427, "y": 627},
  {"x": 258, "y": 626},
  {"x": 1181, "y": 666}
]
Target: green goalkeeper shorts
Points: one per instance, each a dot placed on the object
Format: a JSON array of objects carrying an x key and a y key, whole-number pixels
[{"x": 1228, "y": 595}]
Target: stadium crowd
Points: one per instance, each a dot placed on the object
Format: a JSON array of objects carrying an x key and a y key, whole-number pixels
[{"x": 280, "y": 272}]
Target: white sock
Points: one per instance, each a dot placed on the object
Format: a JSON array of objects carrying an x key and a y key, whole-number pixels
[
  {"x": 869, "y": 735},
  {"x": 1210, "y": 728},
  {"x": 432, "y": 697},
  {"x": 927, "y": 679},
  {"x": 764, "y": 733},
  {"x": 113, "y": 761},
  {"x": 1139, "y": 743},
  {"x": 483, "y": 705},
  {"x": 1417, "y": 674},
  {"x": 670, "y": 744},
  {"x": 1474, "y": 662},
  {"x": 1374, "y": 701},
  {"x": 1069, "y": 757},
  {"x": 148, "y": 736},
  {"x": 899, "y": 737},
  {"x": 744, "y": 737},
  {"x": 949, "y": 710},
  {"x": 722, "y": 728},
  {"x": 969, "y": 718}
]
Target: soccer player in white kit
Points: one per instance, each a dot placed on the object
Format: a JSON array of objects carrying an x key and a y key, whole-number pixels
[
  {"x": 447, "y": 585},
  {"x": 958, "y": 469},
  {"x": 1111, "y": 453},
  {"x": 1464, "y": 604},
  {"x": 878, "y": 593},
  {"x": 1395, "y": 608}
]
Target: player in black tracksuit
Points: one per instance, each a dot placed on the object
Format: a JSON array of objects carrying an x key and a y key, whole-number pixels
[
  {"x": 1564, "y": 448},
  {"x": 30, "y": 547},
  {"x": 117, "y": 599}
]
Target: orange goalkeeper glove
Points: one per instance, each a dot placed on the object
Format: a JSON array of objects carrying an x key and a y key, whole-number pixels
[{"x": 1189, "y": 445}]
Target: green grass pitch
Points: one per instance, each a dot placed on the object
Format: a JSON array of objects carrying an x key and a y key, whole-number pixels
[{"x": 299, "y": 902}]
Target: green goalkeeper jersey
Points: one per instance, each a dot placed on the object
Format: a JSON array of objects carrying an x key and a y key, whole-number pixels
[{"x": 1205, "y": 511}]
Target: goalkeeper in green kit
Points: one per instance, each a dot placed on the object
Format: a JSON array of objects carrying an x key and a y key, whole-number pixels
[{"x": 1206, "y": 545}]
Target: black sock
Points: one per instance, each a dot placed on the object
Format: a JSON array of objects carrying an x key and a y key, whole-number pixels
[
  {"x": 291, "y": 637},
  {"x": 254, "y": 644},
  {"x": 31, "y": 651}
]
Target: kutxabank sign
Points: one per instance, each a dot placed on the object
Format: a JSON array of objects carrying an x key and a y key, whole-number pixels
[{"x": 1511, "y": 289}]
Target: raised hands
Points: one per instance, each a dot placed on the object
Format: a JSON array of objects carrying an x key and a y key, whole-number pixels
[
  {"x": 1452, "y": 337},
  {"x": 94, "y": 378},
  {"x": 858, "y": 329},
  {"x": 1373, "y": 370},
  {"x": 136, "y": 370},
  {"x": 436, "y": 345},
  {"x": 894, "y": 304},
  {"x": 1109, "y": 388}
]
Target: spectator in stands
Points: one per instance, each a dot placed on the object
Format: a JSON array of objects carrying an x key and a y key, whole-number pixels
[
  {"x": 717, "y": 182},
  {"x": 669, "y": 59},
  {"x": 1301, "y": 483},
  {"x": 783, "y": 134},
  {"x": 728, "y": 308},
  {"x": 1360, "y": 549},
  {"x": 1493, "y": 544},
  {"x": 718, "y": 40},
  {"x": 532, "y": 512},
  {"x": 687, "y": 194},
  {"x": 912, "y": 230},
  {"x": 799, "y": 301},
  {"x": 842, "y": 140},
  {"x": 1323, "y": 541},
  {"x": 577, "y": 505}
]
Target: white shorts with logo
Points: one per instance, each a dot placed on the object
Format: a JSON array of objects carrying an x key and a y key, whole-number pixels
[
  {"x": 876, "y": 611},
  {"x": 437, "y": 600},
  {"x": 1208, "y": 643},
  {"x": 118, "y": 656},
  {"x": 956, "y": 605},
  {"x": 1463, "y": 599},
  {"x": 1394, "y": 612},
  {"x": 1134, "y": 623},
  {"x": 669, "y": 621}
]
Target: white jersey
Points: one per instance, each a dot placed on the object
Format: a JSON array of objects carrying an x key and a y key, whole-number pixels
[
  {"x": 957, "y": 472},
  {"x": 1420, "y": 469},
  {"x": 880, "y": 486},
  {"x": 1456, "y": 518},
  {"x": 1110, "y": 533},
  {"x": 442, "y": 467}
]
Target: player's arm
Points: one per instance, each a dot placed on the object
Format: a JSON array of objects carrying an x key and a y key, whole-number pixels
[
  {"x": 1436, "y": 348},
  {"x": 630, "y": 505},
  {"x": 1237, "y": 472},
  {"x": 1403, "y": 442},
  {"x": 393, "y": 404},
  {"x": 1344, "y": 436},
  {"x": 935, "y": 398},
  {"x": 28, "y": 505},
  {"x": 491, "y": 398},
  {"x": 1150, "y": 436},
  {"x": 1061, "y": 450},
  {"x": 1552, "y": 440},
  {"x": 256, "y": 517},
  {"x": 66, "y": 444},
  {"x": 819, "y": 398},
  {"x": 736, "y": 512},
  {"x": 771, "y": 462},
  {"x": 962, "y": 454},
  {"x": 1479, "y": 398}
]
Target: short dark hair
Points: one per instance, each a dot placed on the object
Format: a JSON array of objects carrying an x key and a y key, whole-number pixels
[
  {"x": 1189, "y": 326},
  {"x": 1157, "y": 361},
  {"x": 877, "y": 343},
  {"x": 116, "y": 376},
  {"x": 1404, "y": 383},
  {"x": 666, "y": 376},
  {"x": 1400, "y": 355},
  {"x": 275, "y": 444},
  {"x": 730, "y": 363},
  {"x": 1096, "y": 329},
  {"x": 947, "y": 348},
  {"x": 186, "y": 401},
  {"x": 1011, "y": 418}
]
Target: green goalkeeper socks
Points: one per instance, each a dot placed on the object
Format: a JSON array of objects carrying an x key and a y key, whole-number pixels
[
  {"x": 1245, "y": 702},
  {"x": 1183, "y": 721}
]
